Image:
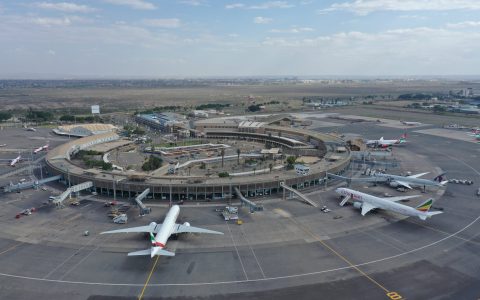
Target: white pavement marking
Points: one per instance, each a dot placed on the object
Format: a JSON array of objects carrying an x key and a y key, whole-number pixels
[
  {"x": 70, "y": 257},
  {"x": 236, "y": 249},
  {"x": 269, "y": 278},
  {"x": 77, "y": 264},
  {"x": 253, "y": 252},
  {"x": 248, "y": 280}
]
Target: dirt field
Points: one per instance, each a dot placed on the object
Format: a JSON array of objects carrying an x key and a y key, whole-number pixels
[{"x": 125, "y": 98}]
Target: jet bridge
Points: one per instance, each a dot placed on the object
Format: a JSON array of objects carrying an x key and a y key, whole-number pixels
[
  {"x": 253, "y": 207},
  {"x": 143, "y": 209},
  {"x": 73, "y": 189},
  {"x": 31, "y": 184},
  {"x": 300, "y": 195}
]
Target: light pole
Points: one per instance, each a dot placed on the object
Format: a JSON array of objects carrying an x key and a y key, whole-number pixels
[{"x": 170, "y": 193}]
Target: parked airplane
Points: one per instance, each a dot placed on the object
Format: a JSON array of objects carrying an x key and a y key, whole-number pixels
[
  {"x": 45, "y": 147},
  {"x": 368, "y": 202},
  {"x": 159, "y": 233},
  {"x": 386, "y": 143},
  {"x": 31, "y": 129},
  {"x": 400, "y": 181},
  {"x": 411, "y": 123},
  {"x": 3, "y": 145},
  {"x": 14, "y": 161}
]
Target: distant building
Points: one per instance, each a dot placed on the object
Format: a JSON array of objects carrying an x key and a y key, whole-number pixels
[
  {"x": 165, "y": 122},
  {"x": 251, "y": 126},
  {"x": 217, "y": 124},
  {"x": 199, "y": 114},
  {"x": 83, "y": 130},
  {"x": 467, "y": 92},
  {"x": 302, "y": 169},
  {"x": 184, "y": 133}
]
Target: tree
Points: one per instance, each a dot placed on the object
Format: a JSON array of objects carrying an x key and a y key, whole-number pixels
[
  {"x": 38, "y": 115},
  {"x": 223, "y": 174},
  {"x": 152, "y": 163},
  {"x": 438, "y": 109},
  {"x": 222, "y": 153},
  {"x": 4, "y": 116},
  {"x": 67, "y": 118},
  {"x": 238, "y": 155},
  {"x": 290, "y": 162},
  {"x": 139, "y": 131},
  {"x": 254, "y": 108},
  {"x": 270, "y": 166}
]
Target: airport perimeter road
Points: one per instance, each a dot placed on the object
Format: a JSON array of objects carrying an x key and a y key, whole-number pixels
[{"x": 291, "y": 250}]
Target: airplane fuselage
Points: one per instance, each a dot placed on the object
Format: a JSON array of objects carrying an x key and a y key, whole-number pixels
[
  {"x": 40, "y": 149},
  {"x": 15, "y": 161},
  {"x": 380, "y": 203},
  {"x": 167, "y": 228},
  {"x": 414, "y": 181}
]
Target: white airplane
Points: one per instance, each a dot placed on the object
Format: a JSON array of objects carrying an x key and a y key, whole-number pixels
[
  {"x": 45, "y": 147},
  {"x": 14, "y": 161},
  {"x": 408, "y": 181},
  {"x": 31, "y": 129},
  {"x": 162, "y": 233},
  {"x": 368, "y": 202},
  {"x": 3, "y": 145},
  {"x": 399, "y": 181},
  {"x": 411, "y": 123},
  {"x": 386, "y": 143}
]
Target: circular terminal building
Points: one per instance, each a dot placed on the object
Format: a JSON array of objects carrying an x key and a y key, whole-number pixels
[{"x": 248, "y": 158}]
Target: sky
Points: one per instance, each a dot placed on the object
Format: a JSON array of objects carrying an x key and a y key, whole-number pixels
[{"x": 205, "y": 38}]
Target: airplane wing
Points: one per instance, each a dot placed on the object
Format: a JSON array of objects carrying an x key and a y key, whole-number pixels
[
  {"x": 147, "y": 228},
  {"x": 361, "y": 179},
  {"x": 399, "y": 198},
  {"x": 418, "y": 175},
  {"x": 366, "y": 207},
  {"x": 403, "y": 183},
  {"x": 179, "y": 228}
]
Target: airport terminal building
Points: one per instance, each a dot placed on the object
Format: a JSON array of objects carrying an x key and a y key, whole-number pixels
[{"x": 124, "y": 184}]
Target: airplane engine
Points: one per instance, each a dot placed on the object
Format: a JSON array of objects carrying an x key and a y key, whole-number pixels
[
  {"x": 186, "y": 224},
  {"x": 394, "y": 184},
  {"x": 357, "y": 204}
]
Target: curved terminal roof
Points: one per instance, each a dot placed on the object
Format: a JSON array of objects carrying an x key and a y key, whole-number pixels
[{"x": 94, "y": 127}]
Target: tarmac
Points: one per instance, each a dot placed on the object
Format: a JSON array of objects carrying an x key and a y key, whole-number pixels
[{"x": 290, "y": 250}]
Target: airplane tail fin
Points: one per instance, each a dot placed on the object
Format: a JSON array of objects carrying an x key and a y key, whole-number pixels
[
  {"x": 439, "y": 178},
  {"x": 425, "y": 206}
]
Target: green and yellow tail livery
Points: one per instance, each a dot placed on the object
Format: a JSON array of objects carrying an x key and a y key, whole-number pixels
[{"x": 425, "y": 206}]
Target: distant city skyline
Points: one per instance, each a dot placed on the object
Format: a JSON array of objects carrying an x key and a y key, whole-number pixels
[{"x": 206, "y": 38}]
